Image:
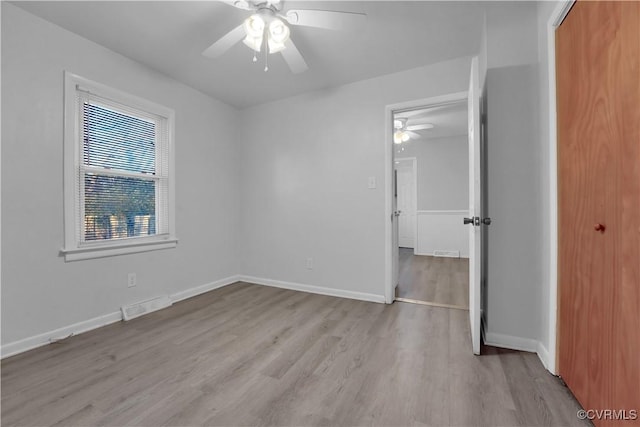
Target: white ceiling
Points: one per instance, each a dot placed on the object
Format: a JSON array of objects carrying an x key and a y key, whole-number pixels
[
  {"x": 448, "y": 120},
  {"x": 170, "y": 36}
]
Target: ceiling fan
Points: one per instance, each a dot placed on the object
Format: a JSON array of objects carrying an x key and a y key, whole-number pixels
[
  {"x": 265, "y": 30},
  {"x": 403, "y": 131}
]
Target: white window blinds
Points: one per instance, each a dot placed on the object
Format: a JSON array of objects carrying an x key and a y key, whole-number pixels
[{"x": 122, "y": 171}]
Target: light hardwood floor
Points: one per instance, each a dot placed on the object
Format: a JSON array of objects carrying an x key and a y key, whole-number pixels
[
  {"x": 253, "y": 355},
  {"x": 437, "y": 280}
]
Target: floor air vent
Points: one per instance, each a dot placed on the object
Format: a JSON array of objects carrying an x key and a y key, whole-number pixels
[
  {"x": 144, "y": 307},
  {"x": 449, "y": 254}
]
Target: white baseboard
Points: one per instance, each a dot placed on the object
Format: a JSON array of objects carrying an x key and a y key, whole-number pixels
[
  {"x": 362, "y": 296},
  {"x": 40, "y": 340},
  {"x": 511, "y": 342},
  {"x": 433, "y": 254},
  {"x": 36, "y": 341},
  {"x": 522, "y": 344},
  {"x": 543, "y": 355},
  {"x": 20, "y": 346},
  {"x": 192, "y": 292}
]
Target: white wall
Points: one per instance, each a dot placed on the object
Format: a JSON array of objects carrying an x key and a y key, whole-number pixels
[
  {"x": 305, "y": 162},
  {"x": 40, "y": 292},
  {"x": 442, "y": 231},
  {"x": 512, "y": 37},
  {"x": 443, "y": 172},
  {"x": 443, "y": 193},
  {"x": 515, "y": 252}
]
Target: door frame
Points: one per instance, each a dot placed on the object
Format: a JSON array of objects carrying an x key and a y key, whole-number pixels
[
  {"x": 556, "y": 18},
  {"x": 388, "y": 175},
  {"x": 414, "y": 161}
]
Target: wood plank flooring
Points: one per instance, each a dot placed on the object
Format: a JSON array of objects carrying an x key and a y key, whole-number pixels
[
  {"x": 253, "y": 355},
  {"x": 433, "y": 279}
]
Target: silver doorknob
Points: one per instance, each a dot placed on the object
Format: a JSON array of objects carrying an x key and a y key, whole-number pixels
[{"x": 474, "y": 220}]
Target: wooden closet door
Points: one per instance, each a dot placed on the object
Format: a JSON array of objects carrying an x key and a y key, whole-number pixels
[{"x": 598, "y": 89}]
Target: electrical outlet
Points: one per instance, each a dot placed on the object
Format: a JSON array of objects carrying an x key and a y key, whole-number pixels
[
  {"x": 309, "y": 263},
  {"x": 131, "y": 280}
]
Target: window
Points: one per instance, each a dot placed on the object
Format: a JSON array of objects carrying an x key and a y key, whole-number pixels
[{"x": 118, "y": 172}]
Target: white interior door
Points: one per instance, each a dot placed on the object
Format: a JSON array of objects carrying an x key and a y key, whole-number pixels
[
  {"x": 474, "y": 220},
  {"x": 395, "y": 258},
  {"x": 406, "y": 202}
]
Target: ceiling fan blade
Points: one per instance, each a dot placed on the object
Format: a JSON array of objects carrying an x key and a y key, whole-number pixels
[
  {"x": 420, "y": 127},
  {"x": 413, "y": 135},
  {"x": 293, "y": 58},
  {"x": 225, "y": 42},
  {"x": 326, "y": 19}
]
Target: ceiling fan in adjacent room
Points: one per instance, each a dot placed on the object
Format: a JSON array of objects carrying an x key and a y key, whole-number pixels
[
  {"x": 265, "y": 31},
  {"x": 403, "y": 131}
]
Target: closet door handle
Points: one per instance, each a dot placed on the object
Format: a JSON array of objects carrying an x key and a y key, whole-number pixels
[{"x": 599, "y": 227}]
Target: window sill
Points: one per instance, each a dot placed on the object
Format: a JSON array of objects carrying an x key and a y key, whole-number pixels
[{"x": 78, "y": 254}]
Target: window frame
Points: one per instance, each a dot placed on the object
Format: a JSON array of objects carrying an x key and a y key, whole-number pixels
[{"x": 74, "y": 247}]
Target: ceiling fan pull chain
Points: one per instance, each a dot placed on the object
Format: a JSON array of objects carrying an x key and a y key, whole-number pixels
[
  {"x": 265, "y": 40},
  {"x": 255, "y": 56}
]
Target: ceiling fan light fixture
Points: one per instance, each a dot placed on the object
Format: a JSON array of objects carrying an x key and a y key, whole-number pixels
[
  {"x": 278, "y": 35},
  {"x": 400, "y": 136},
  {"x": 254, "y": 26},
  {"x": 278, "y": 31},
  {"x": 397, "y": 137},
  {"x": 267, "y": 30},
  {"x": 275, "y": 47},
  {"x": 254, "y": 43}
]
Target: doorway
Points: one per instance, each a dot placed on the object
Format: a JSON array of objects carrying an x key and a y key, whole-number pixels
[
  {"x": 398, "y": 132},
  {"x": 431, "y": 165}
]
